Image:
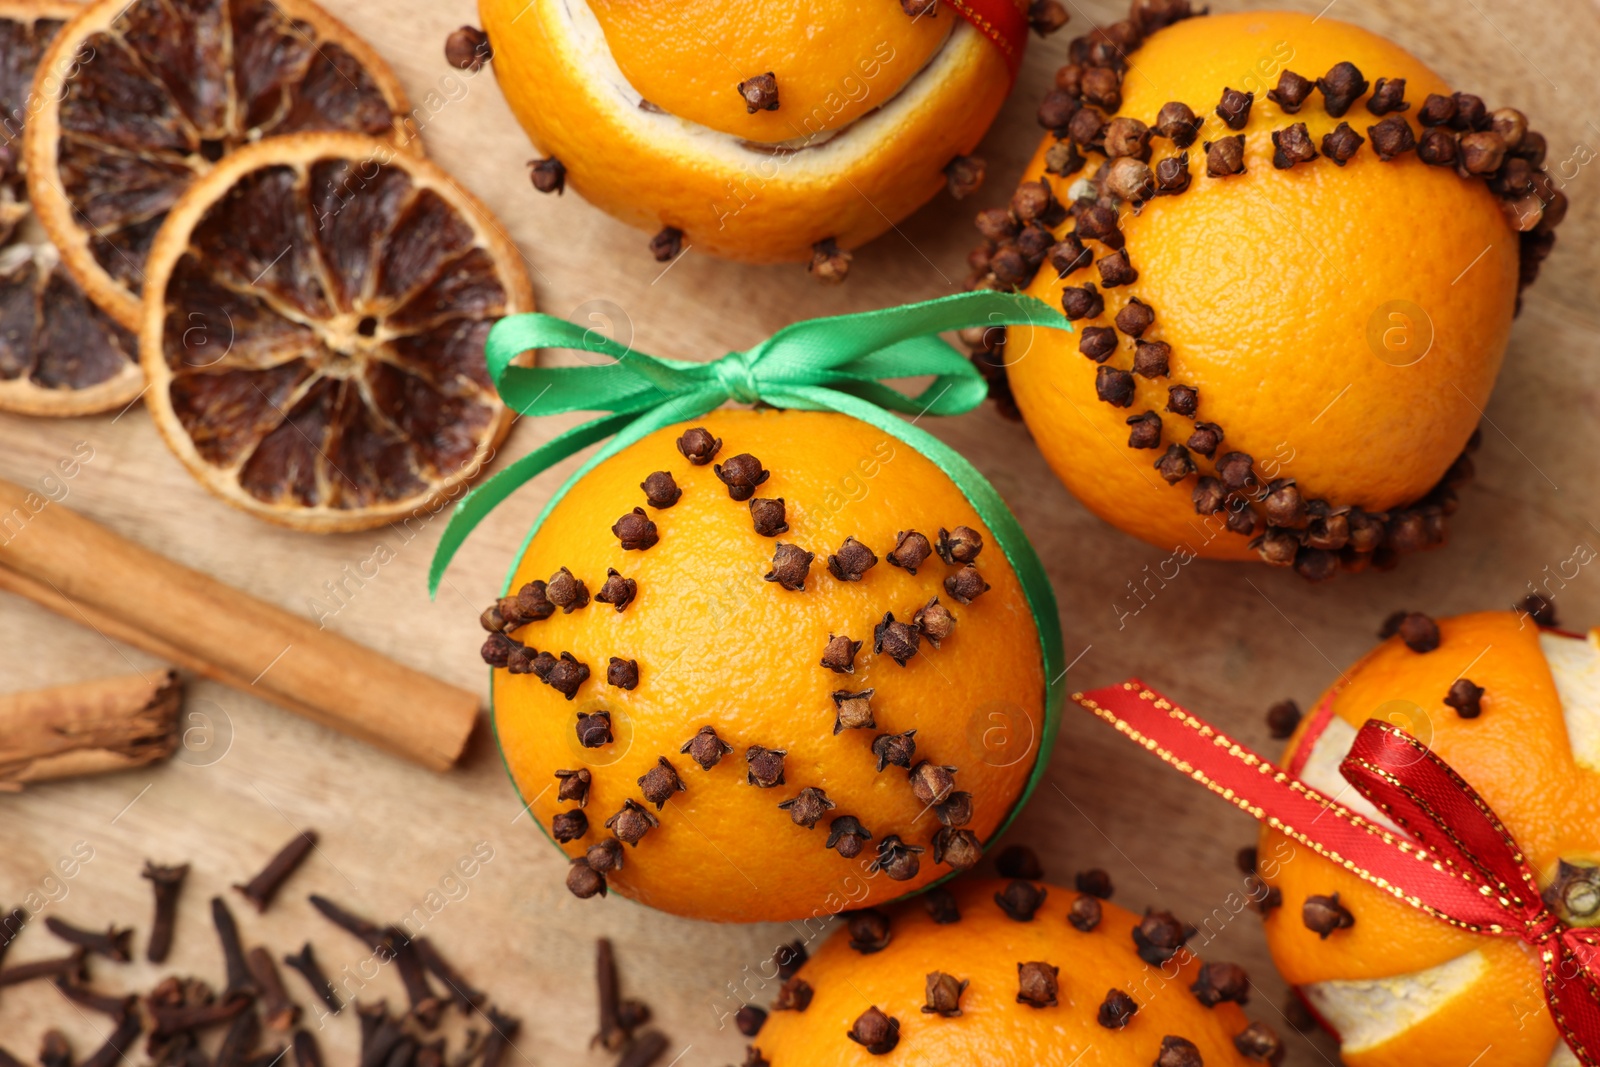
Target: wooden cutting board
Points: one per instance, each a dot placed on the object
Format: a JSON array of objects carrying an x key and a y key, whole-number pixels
[{"x": 1228, "y": 639}]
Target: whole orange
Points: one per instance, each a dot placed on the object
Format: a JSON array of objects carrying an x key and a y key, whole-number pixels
[
  {"x": 1399, "y": 986},
  {"x": 800, "y": 677},
  {"x": 643, "y": 110},
  {"x": 979, "y": 969},
  {"x": 1292, "y": 307}
]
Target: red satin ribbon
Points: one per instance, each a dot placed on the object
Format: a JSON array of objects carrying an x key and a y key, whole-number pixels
[
  {"x": 1005, "y": 22},
  {"x": 1460, "y": 865}
]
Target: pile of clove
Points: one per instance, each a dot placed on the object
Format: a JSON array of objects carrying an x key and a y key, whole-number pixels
[{"x": 258, "y": 1022}]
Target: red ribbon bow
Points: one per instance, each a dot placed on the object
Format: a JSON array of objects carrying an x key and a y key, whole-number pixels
[
  {"x": 1461, "y": 866},
  {"x": 1005, "y": 22}
]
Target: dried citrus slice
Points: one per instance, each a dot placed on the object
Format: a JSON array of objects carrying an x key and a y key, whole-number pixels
[
  {"x": 314, "y": 316},
  {"x": 59, "y": 354},
  {"x": 154, "y": 94}
]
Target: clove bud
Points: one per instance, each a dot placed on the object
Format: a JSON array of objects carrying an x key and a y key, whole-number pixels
[
  {"x": 1225, "y": 156},
  {"x": 698, "y": 446},
  {"x": 1393, "y": 136},
  {"x": 573, "y": 787},
  {"x": 1341, "y": 143},
  {"x": 960, "y": 545},
  {"x": 1082, "y": 302},
  {"x": 742, "y": 474},
  {"x": 768, "y": 516},
  {"x": 1177, "y": 122},
  {"x": 961, "y": 849},
  {"x": 1135, "y": 318},
  {"x": 1292, "y": 146},
  {"x": 764, "y": 766},
  {"x": 1085, "y": 914},
  {"x": 1221, "y": 982},
  {"x": 966, "y": 585},
  {"x": 1234, "y": 108},
  {"x": 1158, "y": 937},
  {"x": 594, "y": 731},
  {"x": 851, "y": 561},
  {"x": 566, "y": 675},
  {"x": 636, "y": 531},
  {"x": 1117, "y": 1010},
  {"x": 853, "y": 711},
  {"x": 1466, "y": 698},
  {"x": 839, "y": 655},
  {"x": 1021, "y": 900},
  {"x": 760, "y": 93},
  {"x": 1098, "y": 343},
  {"x": 896, "y": 859},
  {"x": 468, "y": 49},
  {"x": 1292, "y": 91},
  {"x": 876, "y": 1031},
  {"x": 808, "y": 807},
  {"x": 548, "y": 175},
  {"x": 617, "y": 590},
  {"x": 895, "y": 639},
  {"x": 943, "y": 995},
  {"x": 1388, "y": 94},
  {"x": 1342, "y": 86},
  {"x": 622, "y": 673},
  {"x": 1037, "y": 984},
  {"x": 666, "y": 244},
  {"x": 934, "y": 621},
  {"x": 706, "y": 748},
  {"x": 660, "y": 782},
  {"x": 846, "y": 835},
  {"x": 790, "y": 565},
  {"x": 632, "y": 823},
  {"x": 1325, "y": 915},
  {"x": 566, "y": 592},
  {"x": 910, "y": 550},
  {"x": 661, "y": 490},
  {"x": 1114, "y": 386}
]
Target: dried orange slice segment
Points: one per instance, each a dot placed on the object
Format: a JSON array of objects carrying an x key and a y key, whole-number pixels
[
  {"x": 59, "y": 354},
  {"x": 314, "y": 317},
  {"x": 154, "y": 93}
]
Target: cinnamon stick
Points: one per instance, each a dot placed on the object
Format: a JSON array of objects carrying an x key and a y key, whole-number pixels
[
  {"x": 88, "y": 728},
  {"x": 93, "y": 576}
]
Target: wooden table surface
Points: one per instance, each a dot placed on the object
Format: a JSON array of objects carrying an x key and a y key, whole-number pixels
[{"x": 1228, "y": 639}]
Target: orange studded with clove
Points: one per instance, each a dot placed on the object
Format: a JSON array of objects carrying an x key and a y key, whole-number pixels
[
  {"x": 953, "y": 980},
  {"x": 1510, "y": 706},
  {"x": 761, "y": 717},
  {"x": 1227, "y": 233}
]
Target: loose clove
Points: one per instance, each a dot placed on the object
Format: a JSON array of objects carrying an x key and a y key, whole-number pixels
[
  {"x": 105, "y": 1004},
  {"x": 280, "y": 1013},
  {"x": 649, "y": 1048},
  {"x": 114, "y": 944},
  {"x": 261, "y": 889},
  {"x": 54, "y": 1051},
  {"x": 239, "y": 980},
  {"x": 369, "y": 933},
  {"x": 307, "y": 1053},
  {"x": 305, "y": 964},
  {"x": 611, "y": 1035},
  {"x": 468, "y": 49},
  {"x": 167, "y": 883},
  {"x": 426, "y": 1006},
  {"x": 120, "y": 1043}
]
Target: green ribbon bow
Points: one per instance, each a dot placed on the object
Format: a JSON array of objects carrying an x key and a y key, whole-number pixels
[{"x": 831, "y": 364}]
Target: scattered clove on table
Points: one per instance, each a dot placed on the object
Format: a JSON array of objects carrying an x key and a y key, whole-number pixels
[{"x": 263, "y": 887}]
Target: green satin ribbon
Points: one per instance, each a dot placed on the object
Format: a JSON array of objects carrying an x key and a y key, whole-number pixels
[{"x": 831, "y": 364}]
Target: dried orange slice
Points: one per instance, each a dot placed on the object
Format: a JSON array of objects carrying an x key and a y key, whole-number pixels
[
  {"x": 59, "y": 354},
  {"x": 314, "y": 316},
  {"x": 152, "y": 94}
]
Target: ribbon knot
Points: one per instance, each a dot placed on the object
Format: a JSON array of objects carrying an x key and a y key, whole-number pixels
[
  {"x": 832, "y": 364},
  {"x": 1461, "y": 864},
  {"x": 737, "y": 377}
]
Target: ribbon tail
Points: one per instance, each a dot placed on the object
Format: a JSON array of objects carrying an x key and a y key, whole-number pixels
[
  {"x": 492, "y": 493},
  {"x": 1572, "y": 988},
  {"x": 1272, "y": 795}
]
